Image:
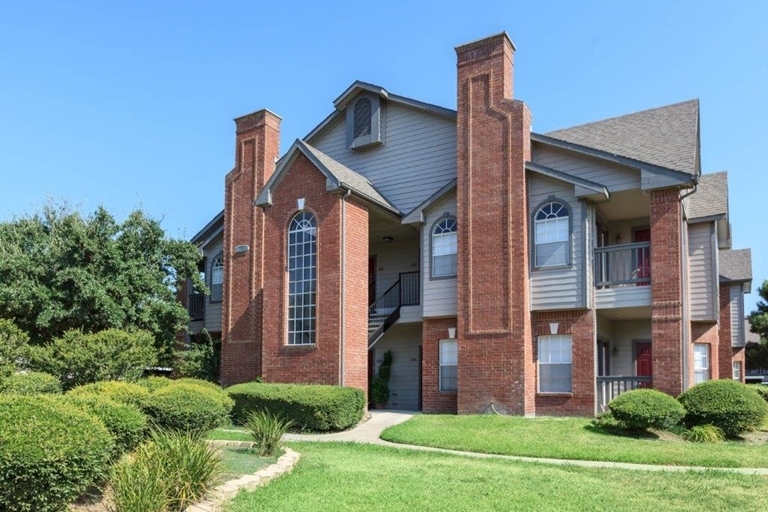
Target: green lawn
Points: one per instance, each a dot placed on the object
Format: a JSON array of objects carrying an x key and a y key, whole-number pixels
[
  {"x": 568, "y": 438},
  {"x": 242, "y": 461},
  {"x": 348, "y": 476},
  {"x": 229, "y": 434}
]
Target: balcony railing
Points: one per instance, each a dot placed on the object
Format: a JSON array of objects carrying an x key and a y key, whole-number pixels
[
  {"x": 196, "y": 306},
  {"x": 609, "y": 388},
  {"x": 410, "y": 286},
  {"x": 624, "y": 264}
]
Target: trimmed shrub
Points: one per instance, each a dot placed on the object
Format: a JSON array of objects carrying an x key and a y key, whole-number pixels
[
  {"x": 125, "y": 422},
  {"x": 727, "y": 404},
  {"x": 267, "y": 430},
  {"x": 198, "y": 382},
  {"x": 704, "y": 434},
  {"x": 123, "y": 392},
  {"x": 50, "y": 453},
  {"x": 188, "y": 407},
  {"x": 14, "y": 345},
  {"x": 154, "y": 383},
  {"x": 78, "y": 358},
  {"x": 169, "y": 472},
  {"x": 310, "y": 406},
  {"x": 31, "y": 383},
  {"x": 760, "y": 389},
  {"x": 201, "y": 359},
  {"x": 646, "y": 408}
]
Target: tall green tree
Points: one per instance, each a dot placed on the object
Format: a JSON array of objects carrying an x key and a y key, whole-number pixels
[
  {"x": 758, "y": 319},
  {"x": 60, "y": 270}
]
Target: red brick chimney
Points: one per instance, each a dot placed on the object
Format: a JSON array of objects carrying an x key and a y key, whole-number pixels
[
  {"x": 496, "y": 359},
  {"x": 257, "y": 149}
]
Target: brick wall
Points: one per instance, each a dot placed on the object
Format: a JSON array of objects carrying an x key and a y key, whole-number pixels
[
  {"x": 707, "y": 334},
  {"x": 257, "y": 146},
  {"x": 355, "y": 281},
  {"x": 493, "y": 143},
  {"x": 727, "y": 353},
  {"x": 434, "y": 400},
  {"x": 580, "y": 325},
  {"x": 666, "y": 292}
]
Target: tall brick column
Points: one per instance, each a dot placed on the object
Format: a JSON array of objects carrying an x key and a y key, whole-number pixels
[
  {"x": 728, "y": 354},
  {"x": 257, "y": 148},
  {"x": 667, "y": 293},
  {"x": 493, "y": 142}
]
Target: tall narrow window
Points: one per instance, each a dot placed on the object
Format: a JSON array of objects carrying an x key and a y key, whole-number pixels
[
  {"x": 362, "y": 117},
  {"x": 737, "y": 370},
  {"x": 701, "y": 362},
  {"x": 302, "y": 279},
  {"x": 449, "y": 364},
  {"x": 552, "y": 235},
  {"x": 444, "y": 247},
  {"x": 217, "y": 277},
  {"x": 555, "y": 364}
]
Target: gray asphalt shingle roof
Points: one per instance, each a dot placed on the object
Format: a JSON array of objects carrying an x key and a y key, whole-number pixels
[
  {"x": 665, "y": 136},
  {"x": 710, "y": 198},
  {"x": 735, "y": 264}
]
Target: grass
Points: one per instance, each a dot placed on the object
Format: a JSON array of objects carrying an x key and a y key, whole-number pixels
[
  {"x": 242, "y": 461},
  {"x": 351, "y": 477},
  {"x": 568, "y": 438},
  {"x": 229, "y": 434}
]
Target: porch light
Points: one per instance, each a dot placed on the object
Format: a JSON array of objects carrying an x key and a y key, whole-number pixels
[
  {"x": 451, "y": 332},
  {"x": 553, "y": 326}
]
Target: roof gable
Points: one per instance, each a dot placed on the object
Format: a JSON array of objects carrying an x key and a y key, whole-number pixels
[
  {"x": 735, "y": 265},
  {"x": 710, "y": 201},
  {"x": 667, "y": 136}
]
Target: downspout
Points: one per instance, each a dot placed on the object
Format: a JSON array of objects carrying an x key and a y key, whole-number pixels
[{"x": 343, "y": 285}]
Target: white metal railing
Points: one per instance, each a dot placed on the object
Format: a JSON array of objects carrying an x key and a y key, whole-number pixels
[
  {"x": 609, "y": 388},
  {"x": 624, "y": 264}
]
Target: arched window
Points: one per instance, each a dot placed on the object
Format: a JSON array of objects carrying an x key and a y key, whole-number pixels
[
  {"x": 552, "y": 230},
  {"x": 302, "y": 279},
  {"x": 444, "y": 248},
  {"x": 217, "y": 277},
  {"x": 362, "y": 118}
]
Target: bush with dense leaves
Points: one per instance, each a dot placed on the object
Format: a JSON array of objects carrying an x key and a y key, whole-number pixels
[
  {"x": 188, "y": 407},
  {"x": 309, "y": 406},
  {"x": 50, "y": 452},
  {"x": 727, "y": 404},
  {"x": 78, "y": 358},
  {"x": 31, "y": 383},
  {"x": 153, "y": 383},
  {"x": 123, "y": 392},
  {"x": 646, "y": 408},
  {"x": 760, "y": 389},
  {"x": 126, "y": 423},
  {"x": 13, "y": 348},
  {"x": 200, "y": 359}
]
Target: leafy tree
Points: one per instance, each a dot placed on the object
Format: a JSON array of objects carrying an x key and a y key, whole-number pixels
[
  {"x": 757, "y": 353},
  {"x": 13, "y": 348},
  {"x": 61, "y": 271}
]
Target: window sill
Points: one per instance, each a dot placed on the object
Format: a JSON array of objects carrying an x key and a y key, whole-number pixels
[
  {"x": 449, "y": 393},
  {"x": 553, "y": 267},
  {"x": 297, "y": 346},
  {"x": 441, "y": 278},
  {"x": 555, "y": 393}
]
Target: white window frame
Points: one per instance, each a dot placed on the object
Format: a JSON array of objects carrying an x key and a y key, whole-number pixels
[
  {"x": 550, "y": 228},
  {"x": 701, "y": 362},
  {"x": 302, "y": 279},
  {"x": 217, "y": 278},
  {"x": 448, "y": 358},
  {"x": 555, "y": 351},
  {"x": 736, "y": 370},
  {"x": 448, "y": 240}
]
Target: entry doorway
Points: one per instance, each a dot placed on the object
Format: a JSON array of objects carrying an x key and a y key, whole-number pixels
[
  {"x": 371, "y": 280},
  {"x": 603, "y": 358},
  {"x": 643, "y": 362}
]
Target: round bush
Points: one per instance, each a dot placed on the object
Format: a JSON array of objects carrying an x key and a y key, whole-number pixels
[
  {"x": 646, "y": 408},
  {"x": 188, "y": 407},
  {"x": 31, "y": 383},
  {"x": 50, "y": 453},
  {"x": 126, "y": 423},
  {"x": 727, "y": 404},
  {"x": 119, "y": 391},
  {"x": 760, "y": 389},
  {"x": 198, "y": 382},
  {"x": 154, "y": 383}
]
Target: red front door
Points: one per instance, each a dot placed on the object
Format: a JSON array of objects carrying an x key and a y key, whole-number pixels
[
  {"x": 643, "y": 362},
  {"x": 643, "y": 256}
]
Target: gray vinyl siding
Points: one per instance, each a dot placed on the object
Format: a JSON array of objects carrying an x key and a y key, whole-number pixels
[
  {"x": 392, "y": 259},
  {"x": 403, "y": 340},
  {"x": 737, "y": 316},
  {"x": 700, "y": 271},
  {"x": 557, "y": 288},
  {"x": 438, "y": 295},
  {"x": 626, "y": 332},
  {"x": 612, "y": 177},
  {"x": 212, "y": 309},
  {"x": 417, "y": 158}
]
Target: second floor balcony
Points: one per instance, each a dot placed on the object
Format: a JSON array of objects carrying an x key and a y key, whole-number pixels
[{"x": 623, "y": 275}]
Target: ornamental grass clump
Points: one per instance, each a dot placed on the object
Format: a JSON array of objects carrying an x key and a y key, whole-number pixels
[
  {"x": 642, "y": 409},
  {"x": 704, "y": 434},
  {"x": 267, "y": 430},
  {"x": 727, "y": 404}
]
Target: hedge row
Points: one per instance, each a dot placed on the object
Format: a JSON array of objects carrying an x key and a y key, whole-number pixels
[{"x": 311, "y": 407}]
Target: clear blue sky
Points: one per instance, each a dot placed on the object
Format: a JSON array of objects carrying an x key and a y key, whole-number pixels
[{"x": 130, "y": 104}]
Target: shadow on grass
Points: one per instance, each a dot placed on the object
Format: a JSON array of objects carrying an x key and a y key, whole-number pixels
[{"x": 616, "y": 431}]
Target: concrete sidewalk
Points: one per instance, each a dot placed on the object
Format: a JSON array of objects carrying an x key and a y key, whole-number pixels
[{"x": 370, "y": 430}]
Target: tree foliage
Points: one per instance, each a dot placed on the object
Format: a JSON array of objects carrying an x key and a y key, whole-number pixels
[
  {"x": 757, "y": 353},
  {"x": 60, "y": 270}
]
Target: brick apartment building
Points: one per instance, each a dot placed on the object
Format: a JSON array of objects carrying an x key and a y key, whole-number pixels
[{"x": 535, "y": 273}]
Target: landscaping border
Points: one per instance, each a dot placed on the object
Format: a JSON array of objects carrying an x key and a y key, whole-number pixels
[{"x": 226, "y": 491}]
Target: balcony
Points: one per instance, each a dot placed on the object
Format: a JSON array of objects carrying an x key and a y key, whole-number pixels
[
  {"x": 623, "y": 275},
  {"x": 609, "y": 388},
  {"x": 196, "y": 306}
]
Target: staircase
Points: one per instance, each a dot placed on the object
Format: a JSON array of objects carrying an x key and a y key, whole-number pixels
[{"x": 386, "y": 309}]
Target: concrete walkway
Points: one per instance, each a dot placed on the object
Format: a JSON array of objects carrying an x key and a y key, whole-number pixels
[{"x": 369, "y": 431}]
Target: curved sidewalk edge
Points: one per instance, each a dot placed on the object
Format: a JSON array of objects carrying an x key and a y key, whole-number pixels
[{"x": 226, "y": 491}]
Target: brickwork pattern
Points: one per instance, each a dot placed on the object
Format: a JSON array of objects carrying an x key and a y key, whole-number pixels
[
  {"x": 434, "y": 400},
  {"x": 727, "y": 353},
  {"x": 708, "y": 334},
  {"x": 493, "y": 143},
  {"x": 580, "y": 324}
]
